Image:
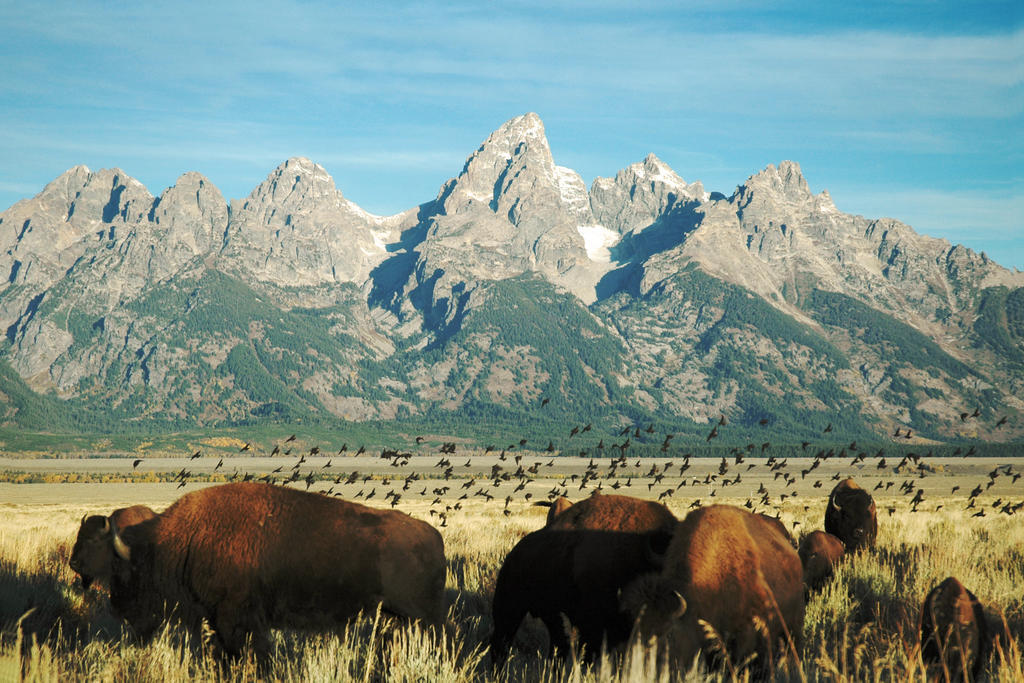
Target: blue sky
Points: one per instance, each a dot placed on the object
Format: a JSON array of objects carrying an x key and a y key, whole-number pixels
[{"x": 905, "y": 109}]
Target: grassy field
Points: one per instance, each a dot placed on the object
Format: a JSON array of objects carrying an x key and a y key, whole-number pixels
[{"x": 863, "y": 626}]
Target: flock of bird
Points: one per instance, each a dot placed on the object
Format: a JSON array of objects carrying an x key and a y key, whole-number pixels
[{"x": 508, "y": 473}]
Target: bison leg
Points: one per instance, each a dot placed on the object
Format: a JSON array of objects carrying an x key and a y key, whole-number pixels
[
  {"x": 238, "y": 625},
  {"x": 507, "y": 614},
  {"x": 560, "y": 634}
]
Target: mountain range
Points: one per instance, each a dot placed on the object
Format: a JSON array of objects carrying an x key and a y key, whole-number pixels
[{"x": 641, "y": 298}]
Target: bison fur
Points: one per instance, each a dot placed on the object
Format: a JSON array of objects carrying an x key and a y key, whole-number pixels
[
  {"x": 576, "y": 567},
  {"x": 731, "y": 586},
  {"x": 850, "y": 516},
  {"x": 245, "y": 557}
]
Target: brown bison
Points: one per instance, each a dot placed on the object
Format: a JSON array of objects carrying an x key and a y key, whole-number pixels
[
  {"x": 850, "y": 516},
  {"x": 576, "y": 567},
  {"x": 954, "y": 632},
  {"x": 732, "y": 571},
  {"x": 91, "y": 555},
  {"x": 819, "y": 553},
  {"x": 246, "y": 556}
]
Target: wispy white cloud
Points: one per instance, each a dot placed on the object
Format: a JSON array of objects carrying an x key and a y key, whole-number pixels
[{"x": 378, "y": 92}]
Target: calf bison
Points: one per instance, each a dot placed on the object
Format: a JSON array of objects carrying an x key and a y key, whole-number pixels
[
  {"x": 91, "y": 555},
  {"x": 246, "y": 556},
  {"x": 576, "y": 567},
  {"x": 850, "y": 516},
  {"x": 731, "y": 584},
  {"x": 954, "y": 632},
  {"x": 819, "y": 553}
]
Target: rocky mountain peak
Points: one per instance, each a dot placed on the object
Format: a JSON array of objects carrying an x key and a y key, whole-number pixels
[
  {"x": 640, "y": 195},
  {"x": 785, "y": 183},
  {"x": 490, "y": 171},
  {"x": 193, "y": 216},
  {"x": 296, "y": 228},
  {"x": 525, "y": 129},
  {"x": 296, "y": 182}
]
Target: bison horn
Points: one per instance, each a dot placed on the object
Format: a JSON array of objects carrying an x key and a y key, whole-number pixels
[
  {"x": 834, "y": 504},
  {"x": 120, "y": 547},
  {"x": 681, "y": 607},
  {"x": 106, "y": 525}
]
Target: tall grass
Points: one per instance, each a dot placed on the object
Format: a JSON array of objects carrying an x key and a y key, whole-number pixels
[{"x": 862, "y": 626}]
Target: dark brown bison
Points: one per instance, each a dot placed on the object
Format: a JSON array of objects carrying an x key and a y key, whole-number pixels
[
  {"x": 735, "y": 571},
  {"x": 819, "y": 553},
  {"x": 91, "y": 555},
  {"x": 850, "y": 516},
  {"x": 576, "y": 567},
  {"x": 954, "y": 632},
  {"x": 248, "y": 556}
]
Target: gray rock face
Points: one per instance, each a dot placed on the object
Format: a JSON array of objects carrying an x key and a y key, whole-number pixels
[
  {"x": 777, "y": 239},
  {"x": 41, "y": 238},
  {"x": 640, "y": 195},
  {"x": 297, "y": 229},
  {"x": 100, "y": 281},
  {"x": 509, "y": 212}
]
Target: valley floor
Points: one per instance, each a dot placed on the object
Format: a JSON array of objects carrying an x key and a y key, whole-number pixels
[{"x": 863, "y": 626}]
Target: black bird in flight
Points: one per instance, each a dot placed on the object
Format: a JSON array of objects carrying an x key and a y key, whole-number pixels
[
  {"x": 136, "y": 463},
  {"x": 290, "y": 438}
]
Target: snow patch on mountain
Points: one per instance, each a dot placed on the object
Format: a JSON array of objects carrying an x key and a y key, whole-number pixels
[{"x": 598, "y": 240}]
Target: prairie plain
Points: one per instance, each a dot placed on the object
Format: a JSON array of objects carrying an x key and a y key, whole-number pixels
[{"x": 862, "y": 626}]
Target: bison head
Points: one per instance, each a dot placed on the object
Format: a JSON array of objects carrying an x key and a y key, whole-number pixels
[
  {"x": 653, "y": 605},
  {"x": 850, "y": 515},
  {"x": 94, "y": 548},
  {"x": 132, "y": 592},
  {"x": 92, "y": 554}
]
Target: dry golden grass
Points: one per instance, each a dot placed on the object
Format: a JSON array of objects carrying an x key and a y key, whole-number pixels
[{"x": 863, "y": 626}]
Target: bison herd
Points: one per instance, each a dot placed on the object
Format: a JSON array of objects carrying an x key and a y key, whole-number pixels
[{"x": 723, "y": 582}]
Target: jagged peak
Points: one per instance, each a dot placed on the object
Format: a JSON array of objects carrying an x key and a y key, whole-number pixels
[
  {"x": 190, "y": 179},
  {"x": 295, "y": 178},
  {"x": 77, "y": 170},
  {"x": 787, "y": 179},
  {"x": 519, "y": 141},
  {"x": 527, "y": 128},
  {"x": 653, "y": 169},
  {"x": 81, "y": 175},
  {"x": 823, "y": 202},
  {"x": 190, "y": 183}
]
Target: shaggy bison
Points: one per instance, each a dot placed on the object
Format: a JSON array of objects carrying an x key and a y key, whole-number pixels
[
  {"x": 954, "y": 632},
  {"x": 248, "y": 556},
  {"x": 91, "y": 555},
  {"x": 576, "y": 567},
  {"x": 850, "y": 516},
  {"x": 735, "y": 571},
  {"x": 819, "y": 553}
]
